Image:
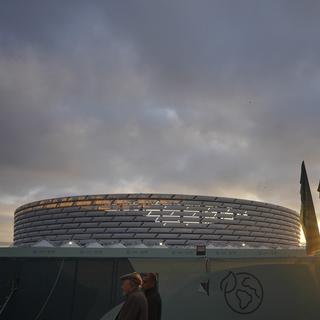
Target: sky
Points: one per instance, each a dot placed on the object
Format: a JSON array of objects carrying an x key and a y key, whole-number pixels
[{"x": 214, "y": 97}]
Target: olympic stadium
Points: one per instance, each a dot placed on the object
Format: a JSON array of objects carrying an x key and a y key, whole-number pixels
[
  {"x": 215, "y": 257},
  {"x": 156, "y": 219}
]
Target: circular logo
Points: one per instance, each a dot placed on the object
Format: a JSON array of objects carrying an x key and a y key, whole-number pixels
[{"x": 243, "y": 292}]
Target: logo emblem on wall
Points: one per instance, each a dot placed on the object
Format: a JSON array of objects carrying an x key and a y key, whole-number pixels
[
  {"x": 243, "y": 292},
  {"x": 204, "y": 287}
]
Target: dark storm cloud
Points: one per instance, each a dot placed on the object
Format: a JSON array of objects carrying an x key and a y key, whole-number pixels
[{"x": 206, "y": 97}]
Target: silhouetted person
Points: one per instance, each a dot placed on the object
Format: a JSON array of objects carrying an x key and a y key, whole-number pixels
[
  {"x": 136, "y": 305},
  {"x": 150, "y": 288}
]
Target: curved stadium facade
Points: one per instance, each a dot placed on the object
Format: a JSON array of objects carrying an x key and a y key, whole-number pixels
[{"x": 156, "y": 219}]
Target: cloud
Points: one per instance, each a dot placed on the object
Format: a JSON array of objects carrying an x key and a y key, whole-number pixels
[
  {"x": 213, "y": 97},
  {"x": 6, "y": 222}
]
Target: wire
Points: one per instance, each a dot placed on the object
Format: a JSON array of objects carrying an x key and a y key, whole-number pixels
[
  {"x": 13, "y": 290},
  {"x": 51, "y": 291}
]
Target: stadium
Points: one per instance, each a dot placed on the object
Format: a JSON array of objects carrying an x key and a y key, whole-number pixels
[
  {"x": 213, "y": 256},
  {"x": 156, "y": 220}
]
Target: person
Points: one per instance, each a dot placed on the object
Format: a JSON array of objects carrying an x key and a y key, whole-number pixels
[
  {"x": 136, "y": 305},
  {"x": 150, "y": 288}
]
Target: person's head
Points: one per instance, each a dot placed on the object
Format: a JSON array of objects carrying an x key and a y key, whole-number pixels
[
  {"x": 130, "y": 282},
  {"x": 149, "y": 281}
]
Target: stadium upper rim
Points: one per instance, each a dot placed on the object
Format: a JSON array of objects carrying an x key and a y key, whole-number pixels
[{"x": 155, "y": 196}]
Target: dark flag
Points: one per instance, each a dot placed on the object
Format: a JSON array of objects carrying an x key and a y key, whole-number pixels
[{"x": 308, "y": 215}]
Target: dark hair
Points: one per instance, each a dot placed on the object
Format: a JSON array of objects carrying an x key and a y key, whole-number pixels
[{"x": 152, "y": 276}]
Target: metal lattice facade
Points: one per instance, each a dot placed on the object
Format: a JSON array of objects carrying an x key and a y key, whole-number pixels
[{"x": 156, "y": 218}]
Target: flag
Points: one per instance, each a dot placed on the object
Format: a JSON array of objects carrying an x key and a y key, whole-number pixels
[{"x": 308, "y": 215}]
